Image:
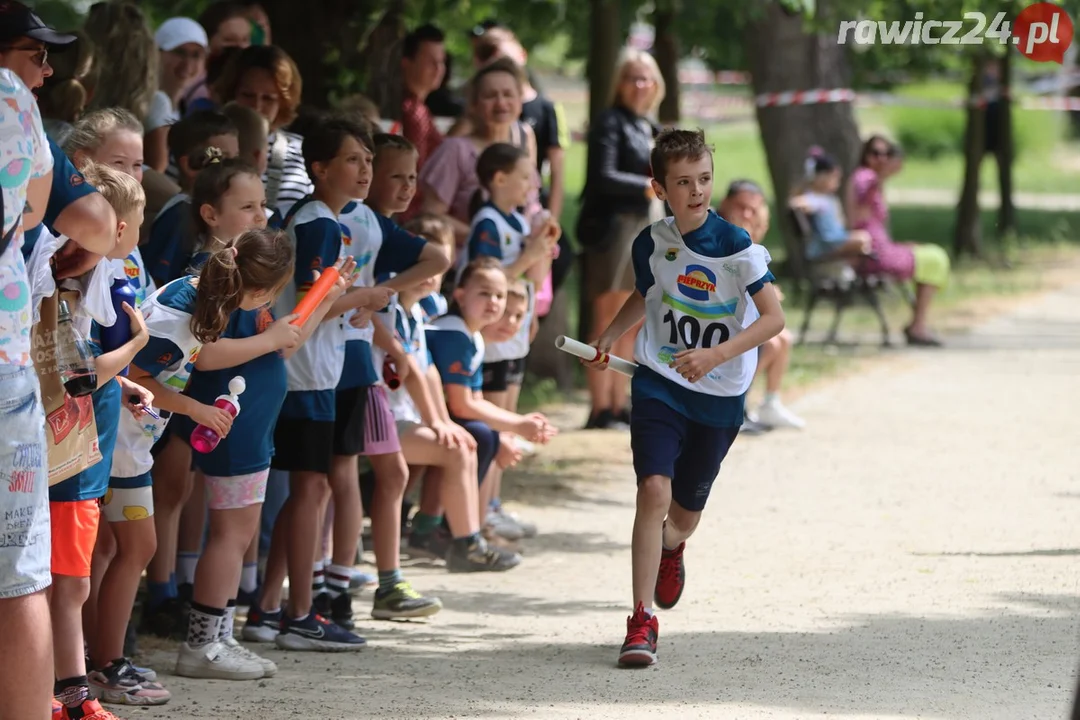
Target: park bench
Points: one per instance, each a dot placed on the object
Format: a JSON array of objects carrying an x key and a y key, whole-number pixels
[{"x": 836, "y": 281}]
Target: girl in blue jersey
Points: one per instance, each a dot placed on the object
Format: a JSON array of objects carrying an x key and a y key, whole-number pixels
[
  {"x": 457, "y": 350},
  {"x": 431, "y": 439},
  {"x": 168, "y": 249},
  {"x": 253, "y": 346},
  {"x": 506, "y": 173},
  {"x": 705, "y": 293},
  {"x": 181, "y": 317},
  {"x": 227, "y": 199}
]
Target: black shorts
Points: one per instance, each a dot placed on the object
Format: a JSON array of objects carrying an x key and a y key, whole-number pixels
[
  {"x": 500, "y": 375},
  {"x": 303, "y": 445},
  {"x": 349, "y": 412},
  {"x": 665, "y": 442}
]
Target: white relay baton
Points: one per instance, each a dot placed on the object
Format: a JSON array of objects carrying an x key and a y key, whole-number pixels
[{"x": 591, "y": 354}]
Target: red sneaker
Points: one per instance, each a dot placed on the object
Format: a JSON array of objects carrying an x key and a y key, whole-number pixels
[
  {"x": 90, "y": 710},
  {"x": 57, "y": 710},
  {"x": 671, "y": 579},
  {"x": 642, "y": 631}
]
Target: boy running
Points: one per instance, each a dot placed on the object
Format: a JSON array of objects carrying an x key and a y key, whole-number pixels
[{"x": 704, "y": 291}]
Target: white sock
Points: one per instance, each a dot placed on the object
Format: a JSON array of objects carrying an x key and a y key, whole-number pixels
[
  {"x": 771, "y": 398},
  {"x": 225, "y": 629},
  {"x": 249, "y": 577},
  {"x": 185, "y": 567},
  {"x": 338, "y": 578},
  {"x": 650, "y": 612}
]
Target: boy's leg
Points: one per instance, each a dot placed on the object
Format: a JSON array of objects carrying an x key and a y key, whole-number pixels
[
  {"x": 171, "y": 488},
  {"x": 130, "y": 512},
  {"x": 394, "y": 598},
  {"x": 190, "y": 533},
  {"x": 306, "y": 447},
  {"x": 658, "y": 435},
  {"x": 346, "y": 520},
  {"x": 695, "y": 472},
  {"x": 104, "y": 551},
  {"x": 74, "y": 534}
]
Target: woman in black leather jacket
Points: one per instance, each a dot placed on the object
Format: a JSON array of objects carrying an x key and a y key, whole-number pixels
[{"x": 617, "y": 204}]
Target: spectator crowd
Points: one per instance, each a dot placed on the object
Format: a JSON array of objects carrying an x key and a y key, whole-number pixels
[{"x": 231, "y": 325}]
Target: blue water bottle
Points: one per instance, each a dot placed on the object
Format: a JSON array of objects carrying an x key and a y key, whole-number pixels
[{"x": 119, "y": 332}]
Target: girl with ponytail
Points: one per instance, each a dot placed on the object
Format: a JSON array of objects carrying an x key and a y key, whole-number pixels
[{"x": 183, "y": 318}]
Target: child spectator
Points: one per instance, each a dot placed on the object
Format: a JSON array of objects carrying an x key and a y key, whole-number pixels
[
  {"x": 336, "y": 158},
  {"x": 181, "y": 317},
  {"x": 253, "y": 346},
  {"x": 820, "y": 200},
  {"x": 73, "y": 503},
  {"x": 686, "y": 415},
  {"x": 252, "y": 130},
  {"x": 113, "y": 137},
  {"x": 364, "y": 424},
  {"x": 227, "y": 201},
  {"x": 171, "y": 231},
  {"x": 429, "y": 438},
  {"x": 457, "y": 350},
  {"x": 500, "y": 231}
]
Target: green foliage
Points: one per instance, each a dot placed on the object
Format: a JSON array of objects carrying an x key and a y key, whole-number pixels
[{"x": 929, "y": 134}]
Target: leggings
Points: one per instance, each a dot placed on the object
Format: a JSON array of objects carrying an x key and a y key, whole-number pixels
[{"x": 487, "y": 444}]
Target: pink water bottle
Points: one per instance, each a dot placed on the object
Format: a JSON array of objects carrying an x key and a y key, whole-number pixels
[{"x": 203, "y": 439}]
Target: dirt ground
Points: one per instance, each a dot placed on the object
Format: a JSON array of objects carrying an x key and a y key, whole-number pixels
[{"x": 912, "y": 554}]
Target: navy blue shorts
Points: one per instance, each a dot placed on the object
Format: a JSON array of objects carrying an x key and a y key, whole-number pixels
[{"x": 668, "y": 443}]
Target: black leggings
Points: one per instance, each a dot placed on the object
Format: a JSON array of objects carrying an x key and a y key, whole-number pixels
[{"x": 487, "y": 444}]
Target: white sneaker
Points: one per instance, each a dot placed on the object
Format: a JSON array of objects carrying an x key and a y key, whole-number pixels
[
  {"x": 268, "y": 666},
  {"x": 216, "y": 661},
  {"x": 504, "y": 526},
  {"x": 527, "y": 529},
  {"x": 775, "y": 414}
]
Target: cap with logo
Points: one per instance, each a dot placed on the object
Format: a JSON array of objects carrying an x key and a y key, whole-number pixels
[
  {"x": 178, "y": 31},
  {"x": 17, "y": 20}
]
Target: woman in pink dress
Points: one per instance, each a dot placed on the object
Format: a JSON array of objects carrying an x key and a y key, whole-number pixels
[{"x": 927, "y": 265}]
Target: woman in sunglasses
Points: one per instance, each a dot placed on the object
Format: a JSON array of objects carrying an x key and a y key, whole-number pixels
[{"x": 925, "y": 264}]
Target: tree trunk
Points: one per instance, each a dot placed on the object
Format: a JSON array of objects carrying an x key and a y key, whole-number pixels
[
  {"x": 604, "y": 26},
  {"x": 666, "y": 50},
  {"x": 382, "y": 61},
  {"x": 323, "y": 54},
  {"x": 782, "y": 57},
  {"x": 968, "y": 237},
  {"x": 606, "y": 37},
  {"x": 1005, "y": 151}
]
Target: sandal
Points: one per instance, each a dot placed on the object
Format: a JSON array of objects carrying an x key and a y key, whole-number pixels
[{"x": 920, "y": 340}]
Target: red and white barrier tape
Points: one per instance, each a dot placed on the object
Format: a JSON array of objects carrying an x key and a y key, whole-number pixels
[{"x": 805, "y": 97}]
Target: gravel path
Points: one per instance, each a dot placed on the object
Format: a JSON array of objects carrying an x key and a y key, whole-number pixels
[{"x": 911, "y": 554}]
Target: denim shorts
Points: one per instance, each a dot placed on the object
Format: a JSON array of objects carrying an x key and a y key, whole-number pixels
[{"x": 25, "y": 541}]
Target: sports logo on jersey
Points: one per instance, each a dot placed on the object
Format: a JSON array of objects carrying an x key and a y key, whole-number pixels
[
  {"x": 346, "y": 235},
  {"x": 131, "y": 271},
  {"x": 76, "y": 180},
  {"x": 697, "y": 282},
  {"x": 666, "y": 354},
  {"x": 263, "y": 319},
  {"x": 485, "y": 238},
  {"x": 456, "y": 368},
  {"x": 671, "y": 254},
  {"x": 363, "y": 260}
]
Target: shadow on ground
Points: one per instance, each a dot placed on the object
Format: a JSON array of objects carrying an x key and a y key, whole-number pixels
[{"x": 953, "y": 667}]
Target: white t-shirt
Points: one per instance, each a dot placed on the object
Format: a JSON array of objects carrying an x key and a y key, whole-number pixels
[
  {"x": 161, "y": 112},
  {"x": 24, "y": 156}
]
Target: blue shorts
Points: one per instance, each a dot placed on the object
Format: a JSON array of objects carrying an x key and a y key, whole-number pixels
[{"x": 668, "y": 443}]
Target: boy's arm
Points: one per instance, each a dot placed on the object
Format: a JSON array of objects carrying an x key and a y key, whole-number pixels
[
  {"x": 467, "y": 404},
  {"x": 111, "y": 363},
  {"x": 431, "y": 262},
  {"x": 697, "y": 363},
  {"x": 629, "y": 315}
]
